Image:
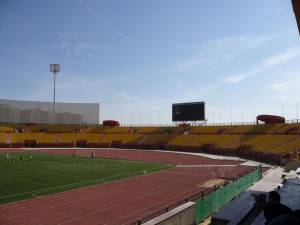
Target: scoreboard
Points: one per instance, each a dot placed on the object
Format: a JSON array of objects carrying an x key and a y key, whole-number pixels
[{"x": 191, "y": 111}]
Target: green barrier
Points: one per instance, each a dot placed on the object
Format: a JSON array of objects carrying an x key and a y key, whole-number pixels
[{"x": 217, "y": 199}]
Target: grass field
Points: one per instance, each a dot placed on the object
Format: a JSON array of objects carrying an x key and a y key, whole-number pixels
[{"x": 44, "y": 173}]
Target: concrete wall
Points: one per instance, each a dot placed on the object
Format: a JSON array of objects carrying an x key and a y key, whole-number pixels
[{"x": 182, "y": 215}]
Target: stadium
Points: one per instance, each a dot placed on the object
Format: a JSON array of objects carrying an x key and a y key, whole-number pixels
[{"x": 61, "y": 165}]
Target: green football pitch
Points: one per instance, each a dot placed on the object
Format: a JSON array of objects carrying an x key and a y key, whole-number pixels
[{"x": 31, "y": 174}]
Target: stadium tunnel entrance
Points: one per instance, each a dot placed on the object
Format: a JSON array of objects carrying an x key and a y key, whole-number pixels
[
  {"x": 81, "y": 144},
  {"x": 29, "y": 143}
]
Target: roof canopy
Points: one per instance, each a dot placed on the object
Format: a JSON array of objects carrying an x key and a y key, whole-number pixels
[
  {"x": 296, "y": 6},
  {"x": 270, "y": 119}
]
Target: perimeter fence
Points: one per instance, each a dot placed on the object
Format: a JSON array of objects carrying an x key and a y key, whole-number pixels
[{"x": 217, "y": 199}]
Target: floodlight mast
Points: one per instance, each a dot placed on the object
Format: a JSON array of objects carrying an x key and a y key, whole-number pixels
[{"x": 54, "y": 68}]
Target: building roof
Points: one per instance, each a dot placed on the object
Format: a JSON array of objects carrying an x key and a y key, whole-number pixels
[{"x": 296, "y": 6}]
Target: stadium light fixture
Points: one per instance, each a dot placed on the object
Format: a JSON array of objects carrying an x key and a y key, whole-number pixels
[{"x": 55, "y": 69}]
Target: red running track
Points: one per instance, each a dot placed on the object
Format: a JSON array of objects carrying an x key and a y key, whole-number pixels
[{"x": 115, "y": 203}]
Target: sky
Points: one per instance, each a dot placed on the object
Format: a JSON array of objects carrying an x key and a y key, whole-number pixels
[{"x": 138, "y": 57}]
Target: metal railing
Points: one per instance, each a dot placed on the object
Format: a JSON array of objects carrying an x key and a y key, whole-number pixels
[{"x": 251, "y": 123}]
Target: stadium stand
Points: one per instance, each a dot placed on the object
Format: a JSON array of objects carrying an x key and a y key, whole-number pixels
[
  {"x": 272, "y": 142},
  {"x": 6, "y": 129},
  {"x": 3, "y": 140},
  {"x": 103, "y": 129},
  {"x": 207, "y": 130}
]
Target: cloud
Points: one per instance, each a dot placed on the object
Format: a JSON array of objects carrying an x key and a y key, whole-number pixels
[
  {"x": 73, "y": 83},
  {"x": 239, "y": 43},
  {"x": 81, "y": 46},
  {"x": 210, "y": 88},
  {"x": 273, "y": 61},
  {"x": 286, "y": 87},
  {"x": 76, "y": 44},
  {"x": 123, "y": 95},
  {"x": 109, "y": 25},
  {"x": 221, "y": 49},
  {"x": 76, "y": 36},
  {"x": 282, "y": 57},
  {"x": 77, "y": 49},
  {"x": 180, "y": 85},
  {"x": 190, "y": 64},
  {"x": 82, "y": 80},
  {"x": 242, "y": 76},
  {"x": 280, "y": 87},
  {"x": 216, "y": 52}
]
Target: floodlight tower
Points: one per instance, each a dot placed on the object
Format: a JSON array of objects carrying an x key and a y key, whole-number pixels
[{"x": 54, "y": 68}]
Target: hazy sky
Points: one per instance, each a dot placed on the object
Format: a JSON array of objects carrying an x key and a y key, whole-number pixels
[{"x": 137, "y": 57}]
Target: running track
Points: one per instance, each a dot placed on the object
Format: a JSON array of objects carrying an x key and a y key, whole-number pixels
[{"x": 125, "y": 201}]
